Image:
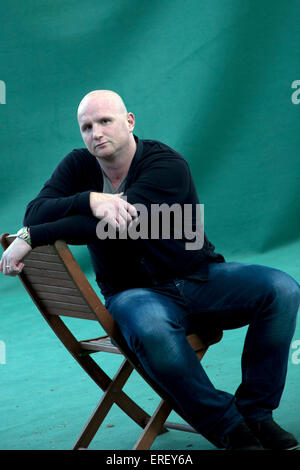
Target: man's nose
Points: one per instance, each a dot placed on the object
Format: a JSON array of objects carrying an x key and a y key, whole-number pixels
[{"x": 97, "y": 131}]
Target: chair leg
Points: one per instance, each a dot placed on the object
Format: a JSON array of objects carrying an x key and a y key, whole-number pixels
[
  {"x": 134, "y": 411},
  {"x": 88, "y": 364},
  {"x": 154, "y": 426},
  {"x": 109, "y": 397}
]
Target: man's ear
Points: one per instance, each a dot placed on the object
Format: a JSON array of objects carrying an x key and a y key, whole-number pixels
[{"x": 130, "y": 121}]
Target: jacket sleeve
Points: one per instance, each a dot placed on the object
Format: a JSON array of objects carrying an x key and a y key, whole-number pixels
[
  {"x": 75, "y": 230},
  {"x": 61, "y": 210},
  {"x": 60, "y": 197}
]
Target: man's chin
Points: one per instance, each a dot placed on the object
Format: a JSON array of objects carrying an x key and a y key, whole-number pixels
[
  {"x": 103, "y": 155},
  {"x": 102, "y": 152}
]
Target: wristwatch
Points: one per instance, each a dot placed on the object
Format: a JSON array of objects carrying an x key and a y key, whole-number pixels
[{"x": 24, "y": 234}]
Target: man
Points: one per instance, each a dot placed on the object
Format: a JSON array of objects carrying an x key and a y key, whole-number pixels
[{"x": 156, "y": 288}]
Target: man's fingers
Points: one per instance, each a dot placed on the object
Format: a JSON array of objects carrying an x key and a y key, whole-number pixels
[
  {"x": 20, "y": 266},
  {"x": 124, "y": 215},
  {"x": 10, "y": 270},
  {"x": 116, "y": 212},
  {"x": 129, "y": 207},
  {"x": 131, "y": 210},
  {"x": 11, "y": 263}
]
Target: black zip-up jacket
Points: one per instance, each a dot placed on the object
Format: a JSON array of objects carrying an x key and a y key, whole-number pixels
[{"x": 157, "y": 175}]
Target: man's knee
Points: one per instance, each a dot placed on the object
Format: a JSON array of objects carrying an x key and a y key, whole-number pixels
[
  {"x": 151, "y": 332},
  {"x": 283, "y": 298},
  {"x": 284, "y": 289},
  {"x": 143, "y": 315}
]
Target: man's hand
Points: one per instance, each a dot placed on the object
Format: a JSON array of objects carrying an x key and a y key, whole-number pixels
[
  {"x": 117, "y": 212},
  {"x": 11, "y": 263}
]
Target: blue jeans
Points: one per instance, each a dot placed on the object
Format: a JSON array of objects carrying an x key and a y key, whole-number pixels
[{"x": 154, "y": 322}]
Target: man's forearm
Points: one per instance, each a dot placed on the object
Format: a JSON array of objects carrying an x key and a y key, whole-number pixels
[
  {"x": 49, "y": 209},
  {"x": 45, "y": 217},
  {"x": 75, "y": 230}
]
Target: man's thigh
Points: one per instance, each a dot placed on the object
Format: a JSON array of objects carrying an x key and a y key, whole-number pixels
[
  {"x": 233, "y": 293},
  {"x": 142, "y": 310}
]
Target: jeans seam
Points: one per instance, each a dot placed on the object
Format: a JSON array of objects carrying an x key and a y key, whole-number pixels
[{"x": 178, "y": 284}]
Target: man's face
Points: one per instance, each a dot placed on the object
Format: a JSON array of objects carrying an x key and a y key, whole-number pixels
[{"x": 105, "y": 127}]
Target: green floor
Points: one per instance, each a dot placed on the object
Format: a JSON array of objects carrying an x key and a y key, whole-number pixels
[{"x": 46, "y": 399}]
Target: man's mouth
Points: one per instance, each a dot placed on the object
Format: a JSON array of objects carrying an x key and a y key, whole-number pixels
[{"x": 100, "y": 144}]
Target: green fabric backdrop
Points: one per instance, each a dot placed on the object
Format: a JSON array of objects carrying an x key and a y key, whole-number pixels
[{"x": 211, "y": 78}]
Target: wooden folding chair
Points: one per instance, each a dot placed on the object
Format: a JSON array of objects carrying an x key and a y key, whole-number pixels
[{"x": 58, "y": 287}]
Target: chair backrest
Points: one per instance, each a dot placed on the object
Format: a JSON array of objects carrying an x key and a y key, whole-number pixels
[{"x": 57, "y": 286}]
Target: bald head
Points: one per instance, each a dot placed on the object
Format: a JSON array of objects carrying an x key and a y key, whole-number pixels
[
  {"x": 102, "y": 98},
  {"x": 105, "y": 125}
]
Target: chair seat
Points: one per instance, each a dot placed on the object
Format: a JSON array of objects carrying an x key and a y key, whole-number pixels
[{"x": 103, "y": 343}]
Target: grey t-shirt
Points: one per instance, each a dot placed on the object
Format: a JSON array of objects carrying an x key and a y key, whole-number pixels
[{"x": 107, "y": 186}]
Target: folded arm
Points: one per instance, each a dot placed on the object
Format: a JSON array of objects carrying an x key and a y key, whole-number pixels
[{"x": 59, "y": 212}]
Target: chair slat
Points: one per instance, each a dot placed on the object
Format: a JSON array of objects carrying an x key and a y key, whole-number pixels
[
  {"x": 51, "y": 257},
  {"x": 50, "y": 249},
  {"x": 61, "y": 297},
  {"x": 55, "y": 304},
  {"x": 44, "y": 265},
  {"x": 59, "y": 289},
  {"x": 48, "y": 281},
  {"x": 70, "y": 313},
  {"x": 46, "y": 273}
]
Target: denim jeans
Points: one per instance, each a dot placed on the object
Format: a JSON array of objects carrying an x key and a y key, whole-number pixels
[{"x": 154, "y": 322}]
